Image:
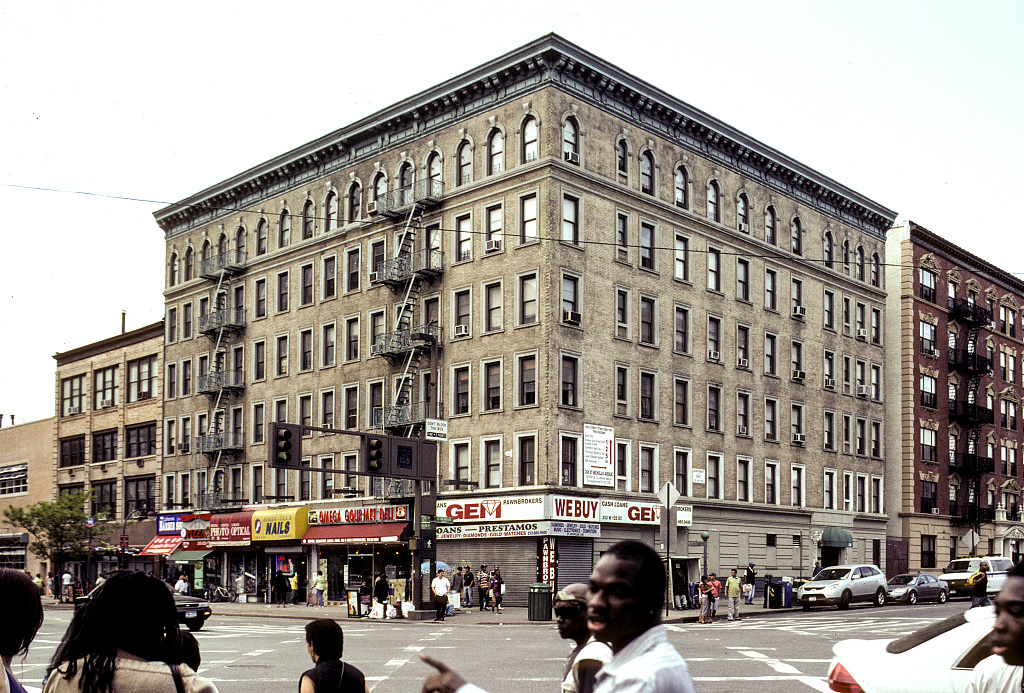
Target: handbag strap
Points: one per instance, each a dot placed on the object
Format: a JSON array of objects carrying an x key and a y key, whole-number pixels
[{"x": 176, "y": 674}]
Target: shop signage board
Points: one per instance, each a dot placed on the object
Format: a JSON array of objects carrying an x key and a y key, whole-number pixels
[
  {"x": 344, "y": 516},
  {"x": 598, "y": 460},
  {"x": 273, "y": 525},
  {"x": 684, "y": 516},
  {"x": 500, "y": 509},
  {"x": 435, "y": 429},
  {"x": 519, "y": 529},
  {"x": 169, "y": 523},
  {"x": 630, "y": 512},
  {"x": 234, "y": 529},
  {"x": 526, "y": 508}
]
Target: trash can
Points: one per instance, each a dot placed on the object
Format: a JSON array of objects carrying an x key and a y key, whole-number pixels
[
  {"x": 539, "y": 602},
  {"x": 775, "y": 595},
  {"x": 787, "y": 595}
]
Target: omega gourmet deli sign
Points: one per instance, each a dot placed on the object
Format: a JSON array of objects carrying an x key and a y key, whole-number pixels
[
  {"x": 493, "y": 509},
  {"x": 344, "y": 516}
]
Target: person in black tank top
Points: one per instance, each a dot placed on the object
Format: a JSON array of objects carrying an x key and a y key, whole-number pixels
[{"x": 325, "y": 643}]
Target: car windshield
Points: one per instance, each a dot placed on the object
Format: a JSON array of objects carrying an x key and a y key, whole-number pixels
[
  {"x": 902, "y": 579},
  {"x": 960, "y": 566},
  {"x": 832, "y": 574}
]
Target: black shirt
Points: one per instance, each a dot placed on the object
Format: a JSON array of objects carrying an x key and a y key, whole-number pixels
[{"x": 335, "y": 676}]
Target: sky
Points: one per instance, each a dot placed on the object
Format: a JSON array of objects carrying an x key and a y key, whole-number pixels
[{"x": 111, "y": 110}]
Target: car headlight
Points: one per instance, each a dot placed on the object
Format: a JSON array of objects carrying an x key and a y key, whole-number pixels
[{"x": 898, "y": 591}]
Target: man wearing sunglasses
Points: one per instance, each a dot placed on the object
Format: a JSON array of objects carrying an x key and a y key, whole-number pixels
[{"x": 589, "y": 655}]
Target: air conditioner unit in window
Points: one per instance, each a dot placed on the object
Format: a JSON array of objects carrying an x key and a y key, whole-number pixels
[
  {"x": 376, "y": 349},
  {"x": 462, "y": 330},
  {"x": 74, "y": 410},
  {"x": 492, "y": 245},
  {"x": 106, "y": 403},
  {"x": 572, "y": 158},
  {"x": 744, "y": 227},
  {"x": 799, "y": 375},
  {"x": 862, "y": 335},
  {"x": 935, "y": 511},
  {"x": 143, "y": 394},
  {"x": 623, "y": 254},
  {"x": 713, "y": 355},
  {"x": 863, "y": 390},
  {"x": 742, "y": 363},
  {"x": 741, "y": 430},
  {"x": 799, "y": 438},
  {"x": 375, "y": 277},
  {"x": 799, "y": 311},
  {"x": 182, "y": 447},
  {"x": 830, "y": 384},
  {"x": 571, "y": 316},
  {"x": 371, "y": 207}
]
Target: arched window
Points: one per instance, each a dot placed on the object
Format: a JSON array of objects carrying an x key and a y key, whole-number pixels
[
  {"x": 355, "y": 197},
  {"x": 207, "y": 249},
  {"x": 172, "y": 278},
  {"x": 284, "y": 229},
  {"x": 222, "y": 245},
  {"x": 331, "y": 212},
  {"x": 240, "y": 244},
  {"x": 647, "y": 173},
  {"x": 495, "y": 153},
  {"x": 769, "y": 226},
  {"x": 380, "y": 187},
  {"x": 682, "y": 184},
  {"x": 875, "y": 270},
  {"x": 714, "y": 211},
  {"x": 570, "y": 141},
  {"x": 622, "y": 157},
  {"x": 859, "y": 263},
  {"x": 464, "y": 174},
  {"x": 190, "y": 263},
  {"x": 261, "y": 237},
  {"x": 742, "y": 213},
  {"x": 434, "y": 170},
  {"x": 308, "y": 225},
  {"x": 405, "y": 184},
  {"x": 826, "y": 248},
  {"x": 531, "y": 147},
  {"x": 796, "y": 234}
]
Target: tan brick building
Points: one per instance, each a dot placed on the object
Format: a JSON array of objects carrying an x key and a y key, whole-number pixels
[
  {"x": 106, "y": 438},
  {"x": 26, "y": 478},
  {"x": 958, "y": 422},
  {"x": 623, "y": 291}
]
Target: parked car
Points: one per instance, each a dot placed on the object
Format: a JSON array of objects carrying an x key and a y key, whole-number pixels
[
  {"x": 938, "y": 658},
  {"x": 960, "y": 569},
  {"x": 192, "y": 611},
  {"x": 912, "y": 587},
  {"x": 841, "y": 585}
]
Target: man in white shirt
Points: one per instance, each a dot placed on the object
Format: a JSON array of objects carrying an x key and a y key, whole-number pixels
[
  {"x": 589, "y": 655},
  {"x": 65, "y": 582},
  {"x": 439, "y": 586},
  {"x": 1002, "y": 672}
]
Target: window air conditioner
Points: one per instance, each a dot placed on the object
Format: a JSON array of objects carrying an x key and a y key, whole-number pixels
[
  {"x": 376, "y": 349},
  {"x": 862, "y": 334},
  {"x": 143, "y": 394},
  {"x": 572, "y": 158},
  {"x": 182, "y": 447},
  {"x": 799, "y": 438},
  {"x": 742, "y": 363},
  {"x": 375, "y": 277},
  {"x": 799, "y": 375},
  {"x": 863, "y": 390},
  {"x": 935, "y": 511},
  {"x": 744, "y": 227},
  {"x": 492, "y": 245},
  {"x": 106, "y": 403},
  {"x": 571, "y": 316},
  {"x": 830, "y": 384},
  {"x": 74, "y": 410},
  {"x": 741, "y": 430},
  {"x": 371, "y": 207},
  {"x": 713, "y": 355},
  {"x": 799, "y": 311},
  {"x": 462, "y": 330}
]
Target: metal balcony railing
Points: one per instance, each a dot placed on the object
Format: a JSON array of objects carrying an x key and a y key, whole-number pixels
[
  {"x": 971, "y": 513},
  {"x": 423, "y": 192},
  {"x": 232, "y": 262},
  {"x": 220, "y": 442},
  {"x": 228, "y": 318},
  {"x": 222, "y": 500},
  {"x": 971, "y": 313},
  {"x": 402, "y": 341},
  {"x": 401, "y": 415},
  {"x": 969, "y": 413},
  {"x": 211, "y": 383},
  {"x": 403, "y": 267},
  {"x": 969, "y": 464},
  {"x": 968, "y": 362}
]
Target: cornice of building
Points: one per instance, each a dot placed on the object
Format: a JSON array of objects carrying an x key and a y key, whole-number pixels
[
  {"x": 126, "y": 339},
  {"x": 548, "y": 61},
  {"x": 965, "y": 261}
]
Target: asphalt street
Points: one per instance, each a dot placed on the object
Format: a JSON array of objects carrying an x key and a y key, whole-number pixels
[{"x": 263, "y": 650}]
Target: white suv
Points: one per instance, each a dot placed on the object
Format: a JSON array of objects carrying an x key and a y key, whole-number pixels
[
  {"x": 960, "y": 569},
  {"x": 840, "y": 585}
]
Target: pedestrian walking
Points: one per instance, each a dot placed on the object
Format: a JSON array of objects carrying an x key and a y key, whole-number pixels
[
  {"x": 816, "y": 569},
  {"x": 750, "y": 578},
  {"x": 326, "y": 643},
  {"x": 23, "y": 615},
  {"x": 67, "y": 594},
  {"x": 320, "y": 586},
  {"x": 439, "y": 587},
  {"x": 483, "y": 582},
  {"x": 181, "y": 586},
  {"x": 733, "y": 590},
  {"x": 716, "y": 593},
  {"x": 978, "y": 583},
  {"x": 278, "y": 589},
  {"x": 468, "y": 583},
  {"x": 496, "y": 590},
  {"x": 381, "y": 589},
  {"x": 589, "y": 655},
  {"x": 293, "y": 585},
  {"x": 705, "y": 600}
]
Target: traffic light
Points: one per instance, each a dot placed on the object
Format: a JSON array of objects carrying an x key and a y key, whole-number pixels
[
  {"x": 376, "y": 454},
  {"x": 285, "y": 445}
]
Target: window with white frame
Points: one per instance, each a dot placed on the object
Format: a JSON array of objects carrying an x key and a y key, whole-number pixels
[
  {"x": 492, "y": 463},
  {"x": 527, "y": 377},
  {"x": 681, "y": 471},
  {"x": 771, "y": 482},
  {"x": 622, "y": 330},
  {"x": 681, "y": 267},
  {"x": 743, "y": 479},
  {"x": 621, "y": 390},
  {"x": 796, "y": 479},
  {"x": 829, "y": 490},
  {"x": 713, "y": 476},
  {"x": 648, "y": 467},
  {"x": 681, "y": 404},
  {"x": 622, "y": 465}
]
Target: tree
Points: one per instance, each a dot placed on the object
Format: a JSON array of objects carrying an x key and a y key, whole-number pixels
[{"x": 58, "y": 526}]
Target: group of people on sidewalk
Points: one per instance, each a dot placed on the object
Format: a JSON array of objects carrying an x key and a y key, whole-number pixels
[
  {"x": 712, "y": 592},
  {"x": 491, "y": 586}
]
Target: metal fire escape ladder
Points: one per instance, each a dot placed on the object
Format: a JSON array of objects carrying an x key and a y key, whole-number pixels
[
  {"x": 219, "y": 357},
  {"x": 404, "y": 316}
]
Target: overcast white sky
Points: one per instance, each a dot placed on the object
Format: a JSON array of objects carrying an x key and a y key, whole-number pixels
[{"x": 915, "y": 104}]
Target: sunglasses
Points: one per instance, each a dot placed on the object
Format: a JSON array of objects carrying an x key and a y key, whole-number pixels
[{"x": 568, "y": 612}]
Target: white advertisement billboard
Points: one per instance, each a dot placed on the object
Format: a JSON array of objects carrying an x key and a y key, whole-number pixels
[{"x": 598, "y": 459}]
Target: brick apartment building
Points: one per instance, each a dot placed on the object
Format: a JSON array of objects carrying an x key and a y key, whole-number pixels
[{"x": 26, "y": 478}]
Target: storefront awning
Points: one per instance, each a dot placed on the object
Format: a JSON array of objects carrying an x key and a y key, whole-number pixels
[
  {"x": 161, "y": 545},
  {"x": 355, "y": 533},
  {"x": 836, "y": 537},
  {"x": 189, "y": 556}
]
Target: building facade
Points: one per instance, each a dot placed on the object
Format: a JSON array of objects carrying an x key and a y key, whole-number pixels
[
  {"x": 957, "y": 420},
  {"x": 26, "y": 478},
  {"x": 598, "y": 287},
  {"x": 106, "y": 440}
]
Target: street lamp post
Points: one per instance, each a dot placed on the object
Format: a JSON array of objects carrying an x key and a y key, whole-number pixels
[{"x": 704, "y": 536}]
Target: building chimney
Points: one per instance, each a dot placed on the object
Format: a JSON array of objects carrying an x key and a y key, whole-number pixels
[{"x": 122, "y": 321}]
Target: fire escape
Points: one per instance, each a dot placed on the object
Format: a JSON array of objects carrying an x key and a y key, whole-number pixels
[
  {"x": 964, "y": 409},
  {"x": 411, "y": 337},
  {"x": 223, "y": 381}
]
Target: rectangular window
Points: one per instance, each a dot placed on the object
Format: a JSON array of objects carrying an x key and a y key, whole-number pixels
[
  {"x": 527, "y": 299},
  {"x": 257, "y": 423},
  {"x": 186, "y": 318},
  {"x": 796, "y": 294},
  {"x": 647, "y": 468},
  {"x": 928, "y": 542},
  {"x": 527, "y": 460},
  {"x": 829, "y": 309},
  {"x": 460, "y": 305},
  {"x": 328, "y": 278},
  {"x": 139, "y": 495},
  {"x": 104, "y": 445},
  {"x": 528, "y": 219},
  {"x": 622, "y": 390},
  {"x": 714, "y": 269},
  {"x": 106, "y": 382},
  {"x": 743, "y": 413},
  {"x": 714, "y": 339},
  {"x": 682, "y": 258},
  {"x": 622, "y": 465},
  {"x": 463, "y": 238},
  {"x": 492, "y": 307},
  {"x": 647, "y": 246},
  {"x": 306, "y": 294},
  {"x": 622, "y": 237},
  {"x": 862, "y": 492},
  {"x": 460, "y": 455},
  {"x": 570, "y": 299},
  {"x": 743, "y": 479},
  {"x": 876, "y": 326},
  {"x": 829, "y": 431},
  {"x": 306, "y": 350},
  {"x": 461, "y": 390},
  {"x": 771, "y": 482},
  {"x": 495, "y": 224},
  {"x": 771, "y": 420},
  {"x": 352, "y": 270},
  {"x": 72, "y": 451},
  {"x": 570, "y": 219},
  {"x": 327, "y": 345},
  {"x": 281, "y": 366},
  {"x": 170, "y": 437},
  {"x": 682, "y": 471},
  {"x": 142, "y": 378},
  {"x": 876, "y": 494},
  {"x": 492, "y": 463},
  {"x": 172, "y": 325},
  {"x": 568, "y": 459},
  {"x": 771, "y": 289},
  {"x": 648, "y": 396},
  {"x": 140, "y": 440},
  {"x": 492, "y": 386},
  {"x": 770, "y": 365},
  {"x": 570, "y": 370},
  {"x": 796, "y": 421},
  {"x": 104, "y": 499},
  {"x": 681, "y": 406},
  {"x": 742, "y": 279},
  {"x": 796, "y": 478},
  {"x": 260, "y": 309},
  {"x": 681, "y": 343},
  {"x": 648, "y": 327},
  {"x": 306, "y": 412},
  {"x": 742, "y": 346},
  {"x": 829, "y": 489},
  {"x": 282, "y": 292},
  {"x": 713, "y": 477},
  {"x": 171, "y": 390},
  {"x": 714, "y": 408},
  {"x": 352, "y": 339},
  {"x": 622, "y": 313}
]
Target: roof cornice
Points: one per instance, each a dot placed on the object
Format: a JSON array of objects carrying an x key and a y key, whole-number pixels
[
  {"x": 548, "y": 61},
  {"x": 120, "y": 341},
  {"x": 966, "y": 261}
]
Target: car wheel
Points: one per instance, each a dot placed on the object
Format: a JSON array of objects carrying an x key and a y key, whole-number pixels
[
  {"x": 844, "y": 601},
  {"x": 195, "y": 623},
  {"x": 912, "y": 598},
  {"x": 943, "y": 596},
  {"x": 880, "y": 598}
]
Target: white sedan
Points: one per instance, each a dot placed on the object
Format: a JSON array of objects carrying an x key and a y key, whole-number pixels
[{"x": 938, "y": 658}]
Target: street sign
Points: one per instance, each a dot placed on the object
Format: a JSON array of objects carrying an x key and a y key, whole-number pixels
[
  {"x": 124, "y": 541},
  {"x": 435, "y": 429},
  {"x": 668, "y": 495},
  {"x": 90, "y": 522}
]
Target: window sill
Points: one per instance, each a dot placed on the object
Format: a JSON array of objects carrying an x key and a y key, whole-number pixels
[{"x": 649, "y": 270}]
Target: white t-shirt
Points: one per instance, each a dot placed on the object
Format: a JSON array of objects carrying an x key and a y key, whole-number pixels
[
  {"x": 66, "y": 579},
  {"x": 440, "y": 586},
  {"x": 994, "y": 675}
]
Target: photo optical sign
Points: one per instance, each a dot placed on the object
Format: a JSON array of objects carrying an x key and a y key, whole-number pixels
[{"x": 598, "y": 461}]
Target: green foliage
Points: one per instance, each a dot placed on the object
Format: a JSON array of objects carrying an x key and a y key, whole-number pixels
[{"x": 58, "y": 526}]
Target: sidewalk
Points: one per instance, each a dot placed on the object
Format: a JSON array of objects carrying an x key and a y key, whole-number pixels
[{"x": 509, "y": 616}]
